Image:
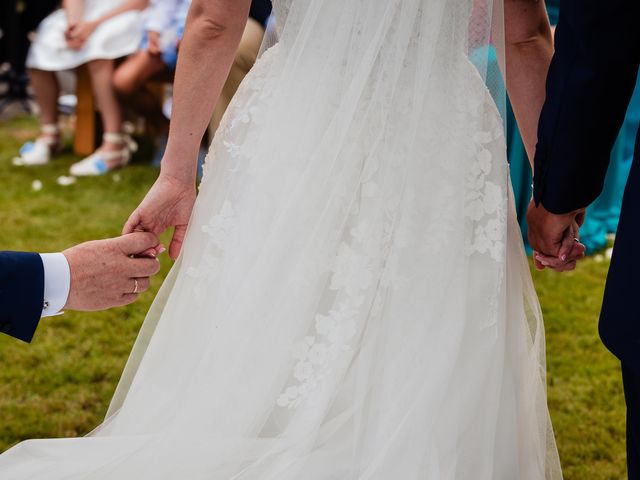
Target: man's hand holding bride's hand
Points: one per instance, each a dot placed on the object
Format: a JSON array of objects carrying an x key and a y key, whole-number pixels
[
  {"x": 112, "y": 272},
  {"x": 168, "y": 204},
  {"x": 555, "y": 238}
]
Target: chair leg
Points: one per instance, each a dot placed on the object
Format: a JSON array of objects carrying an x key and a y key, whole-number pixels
[{"x": 85, "y": 134}]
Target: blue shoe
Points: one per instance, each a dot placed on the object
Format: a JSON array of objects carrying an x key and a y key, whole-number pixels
[
  {"x": 40, "y": 151},
  {"x": 100, "y": 162}
]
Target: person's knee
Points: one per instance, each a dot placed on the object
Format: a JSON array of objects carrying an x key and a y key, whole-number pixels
[
  {"x": 124, "y": 83},
  {"x": 244, "y": 60},
  {"x": 98, "y": 66},
  {"x": 37, "y": 73}
]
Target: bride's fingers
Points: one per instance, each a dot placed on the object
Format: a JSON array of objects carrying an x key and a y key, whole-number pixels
[
  {"x": 577, "y": 250},
  {"x": 537, "y": 263},
  {"x": 132, "y": 224},
  {"x": 567, "y": 267},
  {"x": 552, "y": 262},
  {"x": 577, "y": 253},
  {"x": 548, "y": 262},
  {"x": 176, "y": 242},
  {"x": 153, "y": 252},
  {"x": 557, "y": 265}
]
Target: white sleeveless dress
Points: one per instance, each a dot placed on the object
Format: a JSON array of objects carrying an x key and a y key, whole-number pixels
[
  {"x": 353, "y": 299},
  {"x": 117, "y": 37}
]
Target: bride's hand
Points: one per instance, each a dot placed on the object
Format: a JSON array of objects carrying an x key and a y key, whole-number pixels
[{"x": 168, "y": 204}]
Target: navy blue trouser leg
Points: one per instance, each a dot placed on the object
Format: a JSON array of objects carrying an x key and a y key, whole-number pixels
[{"x": 632, "y": 395}]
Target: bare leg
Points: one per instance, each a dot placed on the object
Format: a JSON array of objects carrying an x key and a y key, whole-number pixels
[
  {"x": 46, "y": 88},
  {"x": 101, "y": 72},
  {"x": 130, "y": 81}
]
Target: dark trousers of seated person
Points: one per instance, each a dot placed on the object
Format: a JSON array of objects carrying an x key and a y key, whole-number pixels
[{"x": 16, "y": 24}]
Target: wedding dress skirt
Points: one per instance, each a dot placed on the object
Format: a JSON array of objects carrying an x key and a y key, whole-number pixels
[
  {"x": 117, "y": 37},
  {"x": 352, "y": 300}
]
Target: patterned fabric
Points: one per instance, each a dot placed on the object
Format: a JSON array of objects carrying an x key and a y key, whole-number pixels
[{"x": 352, "y": 300}]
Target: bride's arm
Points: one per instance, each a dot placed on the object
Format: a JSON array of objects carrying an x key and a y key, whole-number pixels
[
  {"x": 213, "y": 31},
  {"x": 528, "y": 48}
]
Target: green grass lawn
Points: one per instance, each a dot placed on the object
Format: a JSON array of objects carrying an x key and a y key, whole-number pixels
[{"x": 61, "y": 384}]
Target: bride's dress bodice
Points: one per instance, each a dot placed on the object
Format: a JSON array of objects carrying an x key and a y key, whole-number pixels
[{"x": 454, "y": 15}]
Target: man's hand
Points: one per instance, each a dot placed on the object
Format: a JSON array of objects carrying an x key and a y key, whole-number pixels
[
  {"x": 111, "y": 273},
  {"x": 555, "y": 238}
]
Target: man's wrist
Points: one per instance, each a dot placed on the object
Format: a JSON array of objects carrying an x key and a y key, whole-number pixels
[{"x": 57, "y": 283}]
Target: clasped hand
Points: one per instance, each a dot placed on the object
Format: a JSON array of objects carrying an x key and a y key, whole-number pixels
[
  {"x": 77, "y": 34},
  {"x": 555, "y": 239},
  {"x": 168, "y": 204},
  {"x": 112, "y": 272}
]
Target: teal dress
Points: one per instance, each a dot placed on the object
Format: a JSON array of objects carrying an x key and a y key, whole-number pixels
[{"x": 603, "y": 214}]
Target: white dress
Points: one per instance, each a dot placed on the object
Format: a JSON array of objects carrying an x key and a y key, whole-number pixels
[
  {"x": 353, "y": 299},
  {"x": 117, "y": 37}
]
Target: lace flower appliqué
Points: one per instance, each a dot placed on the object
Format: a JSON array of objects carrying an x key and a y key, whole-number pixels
[
  {"x": 485, "y": 204},
  {"x": 221, "y": 226},
  {"x": 314, "y": 353}
]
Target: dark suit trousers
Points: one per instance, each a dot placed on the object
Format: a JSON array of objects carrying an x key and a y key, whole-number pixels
[
  {"x": 632, "y": 395},
  {"x": 620, "y": 317}
]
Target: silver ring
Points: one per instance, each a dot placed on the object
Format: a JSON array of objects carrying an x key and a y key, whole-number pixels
[
  {"x": 576, "y": 239},
  {"x": 135, "y": 286}
]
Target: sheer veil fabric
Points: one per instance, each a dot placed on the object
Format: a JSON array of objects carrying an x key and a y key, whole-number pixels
[{"x": 352, "y": 300}]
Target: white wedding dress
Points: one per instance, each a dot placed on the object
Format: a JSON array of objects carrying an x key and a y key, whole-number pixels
[{"x": 353, "y": 299}]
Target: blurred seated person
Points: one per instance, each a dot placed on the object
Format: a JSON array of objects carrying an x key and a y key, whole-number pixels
[
  {"x": 158, "y": 56},
  {"x": 155, "y": 60},
  {"x": 92, "y": 33}
]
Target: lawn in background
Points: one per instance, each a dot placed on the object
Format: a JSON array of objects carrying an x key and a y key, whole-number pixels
[{"x": 60, "y": 385}]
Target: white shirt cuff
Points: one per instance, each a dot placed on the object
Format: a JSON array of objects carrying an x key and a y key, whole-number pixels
[{"x": 57, "y": 282}]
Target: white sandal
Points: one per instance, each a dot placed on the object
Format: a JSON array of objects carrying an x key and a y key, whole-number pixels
[
  {"x": 101, "y": 162},
  {"x": 40, "y": 151}
]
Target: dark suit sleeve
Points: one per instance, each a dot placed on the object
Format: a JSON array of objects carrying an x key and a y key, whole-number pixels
[
  {"x": 591, "y": 80},
  {"x": 21, "y": 293}
]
